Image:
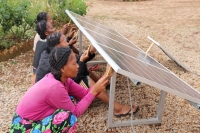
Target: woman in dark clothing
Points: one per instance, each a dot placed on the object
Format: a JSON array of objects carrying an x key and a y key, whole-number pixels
[
  {"x": 43, "y": 28},
  {"x": 54, "y": 41}
]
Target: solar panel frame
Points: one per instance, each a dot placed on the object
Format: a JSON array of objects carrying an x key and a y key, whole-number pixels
[
  {"x": 118, "y": 69},
  {"x": 104, "y": 27},
  {"x": 169, "y": 55},
  {"x": 99, "y": 49},
  {"x": 168, "y": 76},
  {"x": 116, "y": 37},
  {"x": 142, "y": 54}
]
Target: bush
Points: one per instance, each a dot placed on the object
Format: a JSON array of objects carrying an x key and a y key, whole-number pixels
[
  {"x": 15, "y": 20},
  {"x": 17, "y": 17},
  {"x": 58, "y": 7}
]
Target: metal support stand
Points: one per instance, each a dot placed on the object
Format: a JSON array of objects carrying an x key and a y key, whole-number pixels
[
  {"x": 158, "y": 117},
  {"x": 155, "y": 120},
  {"x": 80, "y": 42},
  {"x": 97, "y": 62}
]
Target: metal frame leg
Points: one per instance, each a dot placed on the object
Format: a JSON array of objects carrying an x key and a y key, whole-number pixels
[
  {"x": 155, "y": 120},
  {"x": 111, "y": 99},
  {"x": 161, "y": 105},
  {"x": 80, "y": 42},
  {"x": 97, "y": 62}
]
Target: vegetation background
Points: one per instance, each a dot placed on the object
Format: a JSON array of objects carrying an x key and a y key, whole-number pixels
[{"x": 18, "y": 17}]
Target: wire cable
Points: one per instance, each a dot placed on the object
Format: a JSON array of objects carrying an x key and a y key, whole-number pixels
[{"x": 129, "y": 90}]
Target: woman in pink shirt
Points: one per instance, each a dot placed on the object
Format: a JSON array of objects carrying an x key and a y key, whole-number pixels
[{"x": 47, "y": 106}]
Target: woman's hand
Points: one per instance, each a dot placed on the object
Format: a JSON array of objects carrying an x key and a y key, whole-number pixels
[
  {"x": 71, "y": 32},
  {"x": 64, "y": 29},
  {"x": 73, "y": 41},
  {"x": 84, "y": 56},
  {"x": 92, "y": 49},
  {"x": 109, "y": 71},
  {"x": 100, "y": 86}
]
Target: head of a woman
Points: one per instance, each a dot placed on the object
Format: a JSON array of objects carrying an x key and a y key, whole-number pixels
[
  {"x": 63, "y": 63},
  {"x": 55, "y": 39},
  {"x": 43, "y": 16},
  {"x": 44, "y": 28}
]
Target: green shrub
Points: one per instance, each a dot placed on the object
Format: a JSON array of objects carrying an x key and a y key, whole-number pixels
[
  {"x": 17, "y": 17},
  {"x": 58, "y": 7},
  {"x": 13, "y": 13},
  {"x": 7, "y": 43},
  {"x": 15, "y": 20}
]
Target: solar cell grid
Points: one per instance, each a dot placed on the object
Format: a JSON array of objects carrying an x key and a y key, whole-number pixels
[
  {"x": 132, "y": 62},
  {"x": 151, "y": 73},
  {"x": 121, "y": 47},
  {"x": 78, "y": 17},
  {"x": 108, "y": 34},
  {"x": 97, "y": 28}
]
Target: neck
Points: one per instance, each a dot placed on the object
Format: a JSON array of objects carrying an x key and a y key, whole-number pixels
[{"x": 63, "y": 79}]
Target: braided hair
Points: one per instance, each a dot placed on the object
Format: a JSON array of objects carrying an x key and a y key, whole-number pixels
[
  {"x": 53, "y": 40},
  {"x": 57, "y": 59},
  {"x": 41, "y": 16},
  {"x": 41, "y": 28}
]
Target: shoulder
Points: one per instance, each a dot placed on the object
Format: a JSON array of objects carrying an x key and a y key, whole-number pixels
[
  {"x": 69, "y": 81},
  {"x": 37, "y": 37},
  {"x": 44, "y": 55},
  {"x": 50, "y": 81}
]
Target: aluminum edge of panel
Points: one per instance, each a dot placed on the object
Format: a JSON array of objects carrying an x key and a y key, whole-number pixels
[
  {"x": 159, "y": 86},
  {"x": 99, "y": 49}
]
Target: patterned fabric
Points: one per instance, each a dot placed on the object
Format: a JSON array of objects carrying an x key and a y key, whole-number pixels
[
  {"x": 85, "y": 82},
  {"x": 60, "y": 121},
  {"x": 74, "y": 100}
]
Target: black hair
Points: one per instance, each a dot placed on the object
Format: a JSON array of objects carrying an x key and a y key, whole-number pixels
[
  {"x": 41, "y": 16},
  {"x": 41, "y": 28},
  {"x": 52, "y": 40},
  {"x": 57, "y": 59}
]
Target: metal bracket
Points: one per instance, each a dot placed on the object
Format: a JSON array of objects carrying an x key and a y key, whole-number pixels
[{"x": 155, "y": 120}]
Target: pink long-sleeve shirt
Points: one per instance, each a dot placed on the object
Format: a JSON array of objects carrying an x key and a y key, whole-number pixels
[{"x": 49, "y": 94}]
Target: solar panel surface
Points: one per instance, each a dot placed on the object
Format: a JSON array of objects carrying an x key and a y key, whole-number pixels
[{"x": 131, "y": 61}]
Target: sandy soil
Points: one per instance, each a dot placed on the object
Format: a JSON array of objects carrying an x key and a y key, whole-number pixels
[{"x": 175, "y": 24}]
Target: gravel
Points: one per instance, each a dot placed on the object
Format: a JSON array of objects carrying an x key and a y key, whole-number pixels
[{"x": 173, "y": 23}]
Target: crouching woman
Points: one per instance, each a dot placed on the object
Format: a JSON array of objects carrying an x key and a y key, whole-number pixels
[{"x": 55, "y": 102}]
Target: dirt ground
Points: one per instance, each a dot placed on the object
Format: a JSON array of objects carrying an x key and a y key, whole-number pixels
[{"x": 175, "y": 24}]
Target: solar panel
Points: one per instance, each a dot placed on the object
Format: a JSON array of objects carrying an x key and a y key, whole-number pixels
[
  {"x": 78, "y": 17},
  {"x": 129, "y": 60},
  {"x": 168, "y": 54},
  {"x": 123, "y": 48}
]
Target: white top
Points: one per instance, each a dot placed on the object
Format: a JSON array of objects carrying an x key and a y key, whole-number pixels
[{"x": 36, "y": 39}]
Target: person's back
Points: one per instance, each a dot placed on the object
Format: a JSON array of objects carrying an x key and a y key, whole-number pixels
[
  {"x": 43, "y": 28},
  {"x": 36, "y": 39},
  {"x": 43, "y": 67},
  {"x": 37, "y": 93},
  {"x": 40, "y": 47}
]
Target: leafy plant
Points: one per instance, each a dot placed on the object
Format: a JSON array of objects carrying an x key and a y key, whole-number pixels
[
  {"x": 15, "y": 20},
  {"x": 17, "y": 17},
  {"x": 13, "y": 13},
  {"x": 58, "y": 7},
  {"x": 5, "y": 44}
]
